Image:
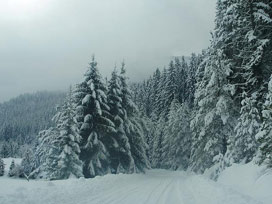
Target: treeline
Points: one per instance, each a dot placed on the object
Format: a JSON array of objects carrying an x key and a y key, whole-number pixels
[
  {"x": 22, "y": 118},
  {"x": 216, "y": 110},
  {"x": 166, "y": 103}
]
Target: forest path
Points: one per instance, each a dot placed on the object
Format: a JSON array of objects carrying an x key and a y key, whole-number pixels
[{"x": 154, "y": 187}]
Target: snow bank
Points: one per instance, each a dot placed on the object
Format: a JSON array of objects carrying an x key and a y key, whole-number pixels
[{"x": 249, "y": 179}]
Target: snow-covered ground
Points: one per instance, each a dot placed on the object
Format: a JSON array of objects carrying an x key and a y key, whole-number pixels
[
  {"x": 154, "y": 187},
  {"x": 249, "y": 179}
]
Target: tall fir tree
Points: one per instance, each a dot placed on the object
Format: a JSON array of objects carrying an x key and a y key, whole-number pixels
[
  {"x": 155, "y": 93},
  {"x": 157, "y": 154},
  {"x": 191, "y": 79},
  {"x": 177, "y": 143},
  {"x": 160, "y": 97},
  {"x": 215, "y": 115},
  {"x": 45, "y": 153},
  {"x": 264, "y": 137},
  {"x": 67, "y": 143},
  {"x": 27, "y": 163},
  {"x": 181, "y": 79},
  {"x": 11, "y": 172},
  {"x": 171, "y": 90},
  {"x": 133, "y": 127},
  {"x": 245, "y": 144},
  {"x": 96, "y": 125},
  {"x": 120, "y": 153}
]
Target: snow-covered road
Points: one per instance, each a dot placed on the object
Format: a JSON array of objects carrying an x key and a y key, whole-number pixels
[{"x": 154, "y": 187}]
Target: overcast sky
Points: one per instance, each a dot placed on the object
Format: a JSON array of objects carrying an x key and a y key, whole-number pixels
[{"x": 47, "y": 44}]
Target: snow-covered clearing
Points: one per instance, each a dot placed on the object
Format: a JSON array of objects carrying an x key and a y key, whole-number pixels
[{"x": 154, "y": 187}]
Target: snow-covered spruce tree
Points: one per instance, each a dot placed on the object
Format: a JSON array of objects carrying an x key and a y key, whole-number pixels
[
  {"x": 171, "y": 90},
  {"x": 177, "y": 143},
  {"x": 27, "y": 164},
  {"x": 96, "y": 125},
  {"x": 168, "y": 134},
  {"x": 147, "y": 123},
  {"x": 67, "y": 143},
  {"x": 191, "y": 79},
  {"x": 4, "y": 150},
  {"x": 256, "y": 16},
  {"x": 242, "y": 34},
  {"x": 132, "y": 126},
  {"x": 214, "y": 120},
  {"x": 243, "y": 27},
  {"x": 181, "y": 78},
  {"x": 160, "y": 97},
  {"x": 154, "y": 93},
  {"x": 79, "y": 92},
  {"x": 2, "y": 167},
  {"x": 120, "y": 154},
  {"x": 245, "y": 145},
  {"x": 143, "y": 94},
  {"x": 148, "y": 108},
  {"x": 265, "y": 135},
  {"x": 51, "y": 157},
  {"x": 11, "y": 172},
  {"x": 157, "y": 153},
  {"x": 255, "y": 39},
  {"x": 149, "y": 132},
  {"x": 45, "y": 153}
]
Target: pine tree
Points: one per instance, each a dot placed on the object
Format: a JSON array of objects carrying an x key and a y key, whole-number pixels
[
  {"x": 191, "y": 79},
  {"x": 147, "y": 100},
  {"x": 2, "y": 167},
  {"x": 181, "y": 79},
  {"x": 149, "y": 133},
  {"x": 50, "y": 165},
  {"x": 27, "y": 164},
  {"x": 245, "y": 41},
  {"x": 12, "y": 172},
  {"x": 256, "y": 16},
  {"x": 96, "y": 125},
  {"x": 132, "y": 126},
  {"x": 4, "y": 151},
  {"x": 45, "y": 153},
  {"x": 171, "y": 90},
  {"x": 242, "y": 33},
  {"x": 177, "y": 144},
  {"x": 265, "y": 135},
  {"x": 67, "y": 141},
  {"x": 120, "y": 154},
  {"x": 160, "y": 97},
  {"x": 157, "y": 153},
  {"x": 245, "y": 145},
  {"x": 215, "y": 115},
  {"x": 79, "y": 92},
  {"x": 155, "y": 93}
]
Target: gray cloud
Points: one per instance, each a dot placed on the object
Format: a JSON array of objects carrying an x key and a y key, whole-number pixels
[{"x": 48, "y": 45}]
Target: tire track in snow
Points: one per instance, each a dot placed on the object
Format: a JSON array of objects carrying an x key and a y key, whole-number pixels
[
  {"x": 152, "y": 192},
  {"x": 168, "y": 195},
  {"x": 108, "y": 197},
  {"x": 184, "y": 193},
  {"x": 119, "y": 194}
]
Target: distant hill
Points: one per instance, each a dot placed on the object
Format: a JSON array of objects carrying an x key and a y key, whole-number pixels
[{"x": 21, "y": 118}]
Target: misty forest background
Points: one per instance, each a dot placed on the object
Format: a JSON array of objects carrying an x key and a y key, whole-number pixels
[{"x": 201, "y": 113}]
